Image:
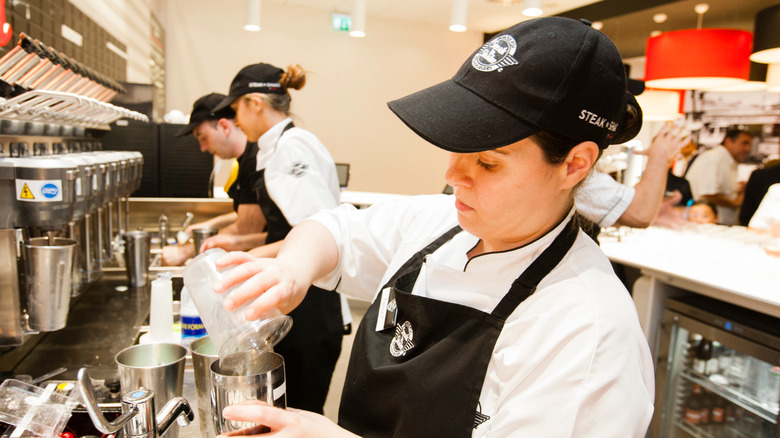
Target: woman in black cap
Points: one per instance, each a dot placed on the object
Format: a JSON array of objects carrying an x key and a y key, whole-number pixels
[
  {"x": 493, "y": 315},
  {"x": 298, "y": 179}
]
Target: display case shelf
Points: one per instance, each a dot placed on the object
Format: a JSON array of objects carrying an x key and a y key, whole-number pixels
[{"x": 732, "y": 395}]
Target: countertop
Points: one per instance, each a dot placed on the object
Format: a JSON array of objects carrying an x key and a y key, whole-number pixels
[
  {"x": 106, "y": 317},
  {"x": 725, "y": 263}
]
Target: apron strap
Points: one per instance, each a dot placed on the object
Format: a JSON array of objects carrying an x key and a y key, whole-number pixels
[
  {"x": 525, "y": 285},
  {"x": 413, "y": 265}
]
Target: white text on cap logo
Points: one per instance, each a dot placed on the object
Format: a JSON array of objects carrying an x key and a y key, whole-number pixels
[{"x": 496, "y": 54}]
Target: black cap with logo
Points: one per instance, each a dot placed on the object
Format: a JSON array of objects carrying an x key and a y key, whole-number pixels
[
  {"x": 255, "y": 78},
  {"x": 204, "y": 109},
  {"x": 554, "y": 74}
]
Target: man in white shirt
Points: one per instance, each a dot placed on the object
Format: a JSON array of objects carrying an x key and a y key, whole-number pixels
[{"x": 713, "y": 176}]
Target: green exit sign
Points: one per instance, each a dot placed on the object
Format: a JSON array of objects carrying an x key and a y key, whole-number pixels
[{"x": 342, "y": 22}]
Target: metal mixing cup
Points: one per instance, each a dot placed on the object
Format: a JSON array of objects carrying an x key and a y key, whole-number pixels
[
  {"x": 261, "y": 377},
  {"x": 156, "y": 367},
  {"x": 201, "y": 234},
  {"x": 203, "y": 355},
  {"x": 48, "y": 267},
  {"x": 137, "y": 256}
]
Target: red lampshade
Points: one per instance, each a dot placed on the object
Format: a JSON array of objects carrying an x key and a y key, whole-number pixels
[{"x": 698, "y": 59}]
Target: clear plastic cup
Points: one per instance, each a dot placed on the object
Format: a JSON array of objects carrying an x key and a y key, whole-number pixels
[
  {"x": 42, "y": 411},
  {"x": 230, "y": 332}
]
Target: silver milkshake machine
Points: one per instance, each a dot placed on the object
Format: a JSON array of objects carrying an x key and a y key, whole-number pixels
[{"x": 38, "y": 197}]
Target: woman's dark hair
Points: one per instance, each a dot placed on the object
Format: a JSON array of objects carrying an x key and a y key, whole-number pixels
[{"x": 556, "y": 147}]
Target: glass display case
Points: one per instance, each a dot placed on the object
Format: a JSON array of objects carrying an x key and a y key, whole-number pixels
[{"x": 717, "y": 372}]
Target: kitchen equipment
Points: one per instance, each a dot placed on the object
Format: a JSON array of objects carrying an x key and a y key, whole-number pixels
[
  {"x": 140, "y": 418},
  {"x": 158, "y": 368},
  {"x": 230, "y": 331},
  {"x": 203, "y": 355},
  {"x": 201, "y": 234},
  {"x": 718, "y": 371},
  {"x": 261, "y": 378},
  {"x": 137, "y": 256},
  {"x": 37, "y": 198},
  {"x": 49, "y": 272},
  {"x": 182, "y": 236}
]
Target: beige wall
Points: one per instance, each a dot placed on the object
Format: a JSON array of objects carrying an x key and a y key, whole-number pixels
[{"x": 349, "y": 80}]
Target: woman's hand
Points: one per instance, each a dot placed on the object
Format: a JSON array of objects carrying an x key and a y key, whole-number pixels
[
  {"x": 269, "y": 282},
  {"x": 289, "y": 423}
]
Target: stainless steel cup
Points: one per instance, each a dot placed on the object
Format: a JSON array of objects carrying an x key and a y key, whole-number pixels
[
  {"x": 261, "y": 377},
  {"x": 137, "y": 254},
  {"x": 201, "y": 234},
  {"x": 48, "y": 269},
  {"x": 156, "y": 367},
  {"x": 203, "y": 355}
]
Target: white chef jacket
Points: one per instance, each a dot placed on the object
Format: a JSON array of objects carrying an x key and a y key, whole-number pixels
[
  {"x": 602, "y": 199},
  {"x": 768, "y": 211},
  {"x": 571, "y": 361},
  {"x": 715, "y": 172},
  {"x": 300, "y": 174}
]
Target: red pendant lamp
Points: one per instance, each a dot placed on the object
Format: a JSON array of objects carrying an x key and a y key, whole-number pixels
[{"x": 698, "y": 59}]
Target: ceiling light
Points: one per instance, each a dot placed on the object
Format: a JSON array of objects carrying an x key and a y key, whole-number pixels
[
  {"x": 252, "y": 15},
  {"x": 756, "y": 81},
  {"x": 655, "y": 33},
  {"x": 700, "y": 9},
  {"x": 659, "y": 105},
  {"x": 598, "y": 25},
  {"x": 358, "y": 29},
  {"x": 766, "y": 37},
  {"x": 459, "y": 13},
  {"x": 696, "y": 59},
  {"x": 532, "y": 8},
  {"x": 660, "y": 18}
]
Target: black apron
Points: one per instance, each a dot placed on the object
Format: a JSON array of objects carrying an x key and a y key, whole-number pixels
[
  {"x": 312, "y": 347},
  {"x": 423, "y": 377}
]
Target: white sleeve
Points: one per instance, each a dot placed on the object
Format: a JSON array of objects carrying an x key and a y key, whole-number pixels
[
  {"x": 374, "y": 240},
  {"x": 768, "y": 211},
  {"x": 706, "y": 175},
  {"x": 301, "y": 176},
  {"x": 602, "y": 199}
]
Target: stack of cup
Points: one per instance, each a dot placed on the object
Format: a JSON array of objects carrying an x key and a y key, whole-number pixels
[
  {"x": 247, "y": 369},
  {"x": 233, "y": 336}
]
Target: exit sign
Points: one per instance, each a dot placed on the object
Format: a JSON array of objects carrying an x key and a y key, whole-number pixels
[{"x": 342, "y": 22}]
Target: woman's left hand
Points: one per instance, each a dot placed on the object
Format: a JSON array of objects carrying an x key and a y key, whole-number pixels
[{"x": 284, "y": 423}]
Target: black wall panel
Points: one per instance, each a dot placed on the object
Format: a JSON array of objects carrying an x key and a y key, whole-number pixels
[{"x": 173, "y": 167}]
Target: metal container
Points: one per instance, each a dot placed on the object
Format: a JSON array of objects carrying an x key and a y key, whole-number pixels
[
  {"x": 261, "y": 377},
  {"x": 137, "y": 256},
  {"x": 156, "y": 367},
  {"x": 201, "y": 234},
  {"x": 203, "y": 355},
  {"x": 49, "y": 273}
]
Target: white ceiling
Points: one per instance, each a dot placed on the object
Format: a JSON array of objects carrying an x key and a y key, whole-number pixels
[{"x": 483, "y": 15}]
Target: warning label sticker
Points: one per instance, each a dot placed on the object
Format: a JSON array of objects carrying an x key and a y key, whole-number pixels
[{"x": 38, "y": 190}]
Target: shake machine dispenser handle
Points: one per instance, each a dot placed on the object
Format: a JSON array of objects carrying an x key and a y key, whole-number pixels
[
  {"x": 138, "y": 419},
  {"x": 100, "y": 422}
]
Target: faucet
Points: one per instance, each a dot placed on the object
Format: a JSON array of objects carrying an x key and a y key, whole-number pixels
[
  {"x": 138, "y": 419},
  {"x": 163, "y": 222}
]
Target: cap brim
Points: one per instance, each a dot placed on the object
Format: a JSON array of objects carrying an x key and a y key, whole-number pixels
[
  {"x": 187, "y": 129},
  {"x": 458, "y": 120},
  {"x": 226, "y": 102}
]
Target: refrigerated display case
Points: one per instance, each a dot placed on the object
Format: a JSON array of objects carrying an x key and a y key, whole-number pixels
[{"x": 717, "y": 371}]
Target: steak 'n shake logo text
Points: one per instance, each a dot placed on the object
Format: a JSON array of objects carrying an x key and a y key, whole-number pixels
[
  {"x": 495, "y": 54},
  {"x": 596, "y": 120}
]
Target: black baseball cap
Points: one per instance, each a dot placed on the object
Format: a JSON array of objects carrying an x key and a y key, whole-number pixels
[
  {"x": 255, "y": 78},
  {"x": 204, "y": 109},
  {"x": 552, "y": 73}
]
